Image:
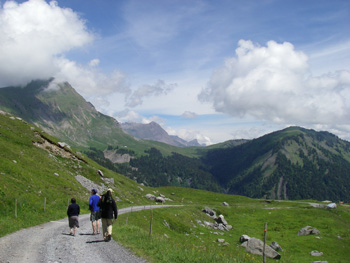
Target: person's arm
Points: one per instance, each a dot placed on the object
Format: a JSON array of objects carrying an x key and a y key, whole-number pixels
[
  {"x": 68, "y": 211},
  {"x": 78, "y": 210},
  {"x": 115, "y": 210}
]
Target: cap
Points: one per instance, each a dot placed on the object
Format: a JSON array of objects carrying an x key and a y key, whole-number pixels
[{"x": 110, "y": 190}]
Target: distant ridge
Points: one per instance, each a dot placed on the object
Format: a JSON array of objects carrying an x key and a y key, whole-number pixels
[
  {"x": 153, "y": 131},
  {"x": 294, "y": 163}
]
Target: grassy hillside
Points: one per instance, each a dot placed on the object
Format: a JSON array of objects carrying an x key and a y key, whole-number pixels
[
  {"x": 293, "y": 163},
  {"x": 31, "y": 175},
  {"x": 178, "y": 237},
  {"x": 63, "y": 113}
]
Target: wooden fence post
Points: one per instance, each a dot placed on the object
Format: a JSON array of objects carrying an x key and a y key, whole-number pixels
[
  {"x": 15, "y": 208},
  {"x": 265, "y": 233},
  {"x": 150, "y": 226}
]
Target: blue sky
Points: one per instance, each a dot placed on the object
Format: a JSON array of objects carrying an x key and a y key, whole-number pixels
[{"x": 206, "y": 70}]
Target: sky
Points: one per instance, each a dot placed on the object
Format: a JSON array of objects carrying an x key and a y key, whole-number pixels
[{"x": 206, "y": 70}]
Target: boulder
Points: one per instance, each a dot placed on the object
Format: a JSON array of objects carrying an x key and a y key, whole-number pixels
[
  {"x": 256, "y": 246},
  {"x": 100, "y": 173},
  {"x": 308, "y": 230},
  {"x": 244, "y": 238},
  {"x": 225, "y": 204},
  {"x": 274, "y": 245},
  {"x": 209, "y": 212},
  {"x": 150, "y": 197},
  {"x": 221, "y": 220},
  {"x": 160, "y": 199},
  {"x": 331, "y": 206},
  {"x": 316, "y": 253}
]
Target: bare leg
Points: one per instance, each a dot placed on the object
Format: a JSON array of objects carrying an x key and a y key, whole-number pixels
[
  {"x": 98, "y": 226},
  {"x": 93, "y": 227}
]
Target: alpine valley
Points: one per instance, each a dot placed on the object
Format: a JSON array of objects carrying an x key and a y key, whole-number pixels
[{"x": 290, "y": 164}]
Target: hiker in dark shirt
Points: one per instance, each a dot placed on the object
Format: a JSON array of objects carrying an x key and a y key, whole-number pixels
[
  {"x": 73, "y": 212},
  {"x": 108, "y": 211}
]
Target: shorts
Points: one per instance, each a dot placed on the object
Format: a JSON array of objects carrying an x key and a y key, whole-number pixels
[
  {"x": 73, "y": 221},
  {"x": 95, "y": 215}
]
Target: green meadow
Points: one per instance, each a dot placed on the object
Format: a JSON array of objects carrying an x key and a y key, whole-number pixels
[
  {"x": 36, "y": 186},
  {"x": 182, "y": 239}
]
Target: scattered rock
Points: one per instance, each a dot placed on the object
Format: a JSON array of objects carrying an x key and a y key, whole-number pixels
[
  {"x": 150, "y": 197},
  {"x": 160, "y": 199},
  {"x": 244, "y": 238},
  {"x": 220, "y": 240},
  {"x": 166, "y": 223},
  {"x": 316, "y": 253},
  {"x": 63, "y": 144},
  {"x": 139, "y": 187},
  {"x": 225, "y": 204},
  {"x": 100, "y": 173},
  {"x": 256, "y": 246},
  {"x": 274, "y": 245},
  {"x": 332, "y": 206},
  {"x": 221, "y": 220},
  {"x": 14, "y": 161},
  {"x": 209, "y": 212},
  {"x": 56, "y": 174},
  {"x": 308, "y": 230}
]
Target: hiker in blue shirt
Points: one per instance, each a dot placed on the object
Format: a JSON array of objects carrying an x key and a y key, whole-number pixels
[{"x": 95, "y": 215}]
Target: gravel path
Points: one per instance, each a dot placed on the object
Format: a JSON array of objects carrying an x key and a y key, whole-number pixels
[{"x": 51, "y": 243}]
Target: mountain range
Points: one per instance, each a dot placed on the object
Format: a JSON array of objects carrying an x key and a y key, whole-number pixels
[
  {"x": 294, "y": 163},
  {"x": 153, "y": 131}
]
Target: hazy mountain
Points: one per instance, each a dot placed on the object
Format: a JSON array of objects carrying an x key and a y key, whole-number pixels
[{"x": 153, "y": 131}]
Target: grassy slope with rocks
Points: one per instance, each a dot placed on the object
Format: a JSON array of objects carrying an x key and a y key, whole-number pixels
[
  {"x": 185, "y": 240},
  {"x": 28, "y": 175}
]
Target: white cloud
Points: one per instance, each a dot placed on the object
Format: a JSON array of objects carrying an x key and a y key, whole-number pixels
[
  {"x": 33, "y": 36},
  {"x": 157, "y": 89},
  {"x": 94, "y": 62},
  {"x": 189, "y": 115},
  {"x": 274, "y": 83}
]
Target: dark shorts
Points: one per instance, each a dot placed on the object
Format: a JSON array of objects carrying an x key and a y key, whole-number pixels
[
  {"x": 73, "y": 221},
  {"x": 95, "y": 215}
]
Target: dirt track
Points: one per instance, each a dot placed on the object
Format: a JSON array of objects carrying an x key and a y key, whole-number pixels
[{"x": 51, "y": 243}]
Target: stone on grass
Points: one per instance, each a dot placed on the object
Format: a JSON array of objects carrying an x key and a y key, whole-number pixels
[
  {"x": 244, "y": 238},
  {"x": 256, "y": 246},
  {"x": 308, "y": 230},
  {"x": 274, "y": 245},
  {"x": 316, "y": 253}
]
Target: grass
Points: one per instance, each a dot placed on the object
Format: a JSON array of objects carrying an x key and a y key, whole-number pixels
[
  {"x": 27, "y": 175},
  {"x": 187, "y": 241}
]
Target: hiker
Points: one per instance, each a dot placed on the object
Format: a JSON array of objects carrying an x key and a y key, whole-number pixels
[
  {"x": 95, "y": 211},
  {"x": 108, "y": 209},
  {"x": 73, "y": 212}
]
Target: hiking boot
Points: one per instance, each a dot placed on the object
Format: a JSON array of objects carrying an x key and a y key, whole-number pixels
[{"x": 109, "y": 238}]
